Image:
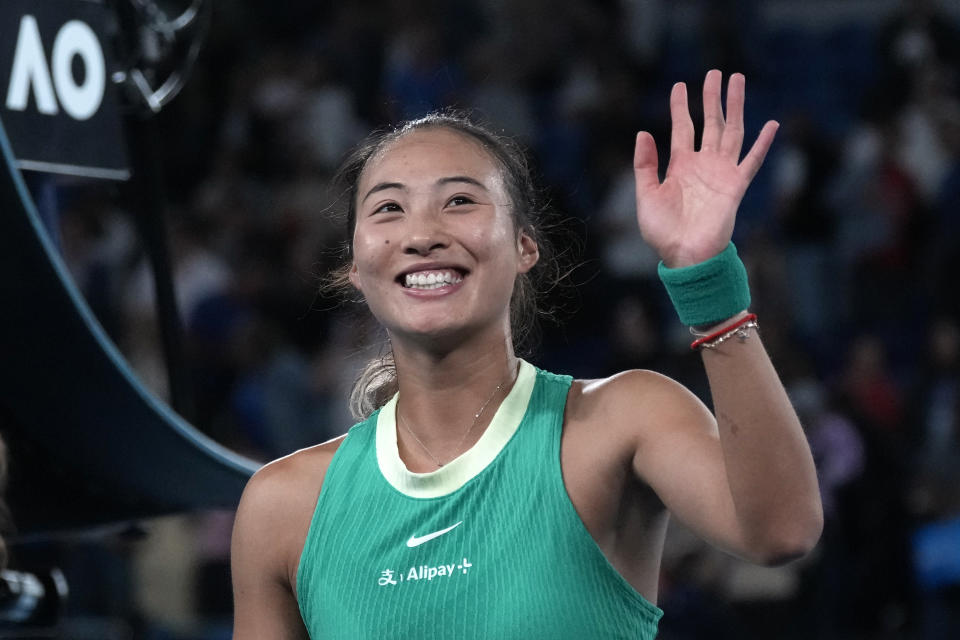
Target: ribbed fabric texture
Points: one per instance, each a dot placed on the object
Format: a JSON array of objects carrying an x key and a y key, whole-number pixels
[{"x": 518, "y": 562}]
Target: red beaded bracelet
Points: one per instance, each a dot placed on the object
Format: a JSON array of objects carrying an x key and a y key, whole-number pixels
[{"x": 738, "y": 328}]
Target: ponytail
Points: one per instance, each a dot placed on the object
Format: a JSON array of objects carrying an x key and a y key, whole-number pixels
[{"x": 374, "y": 387}]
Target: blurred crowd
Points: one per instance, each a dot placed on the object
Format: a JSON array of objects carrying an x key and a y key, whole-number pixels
[{"x": 850, "y": 233}]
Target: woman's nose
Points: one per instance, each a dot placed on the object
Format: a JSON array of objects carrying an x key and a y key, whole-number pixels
[{"x": 424, "y": 235}]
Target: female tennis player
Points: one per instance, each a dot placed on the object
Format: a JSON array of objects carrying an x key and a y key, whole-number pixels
[{"x": 481, "y": 497}]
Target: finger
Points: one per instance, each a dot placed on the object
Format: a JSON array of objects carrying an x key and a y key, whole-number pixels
[
  {"x": 681, "y": 134},
  {"x": 754, "y": 158},
  {"x": 712, "y": 111},
  {"x": 645, "y": 163},
  {"x": 731, "y": 143}
]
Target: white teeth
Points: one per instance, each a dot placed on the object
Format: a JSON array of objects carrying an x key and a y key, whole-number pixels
[{"x": 432, "y": 279}]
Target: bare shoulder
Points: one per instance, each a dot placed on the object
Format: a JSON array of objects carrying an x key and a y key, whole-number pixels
[
  {"x": 637, "y": 403},
  {"x": 301, "y": 471},
  {"x": 278, "y": 503},
  {"x": 627, "y": 385}
]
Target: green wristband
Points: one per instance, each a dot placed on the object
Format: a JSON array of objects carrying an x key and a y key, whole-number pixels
[{"x": 710, "y": 291}]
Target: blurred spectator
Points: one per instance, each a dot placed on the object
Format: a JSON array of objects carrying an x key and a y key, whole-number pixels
[
  {"x": 840, "y": 456},
  {"x": 624, "y": 254},
  {"x": 419, "y": 77},
  {"x": 870, "y": 390},
  {"x": 804, "y": 162},
  {"x": 935, "y": 421}
]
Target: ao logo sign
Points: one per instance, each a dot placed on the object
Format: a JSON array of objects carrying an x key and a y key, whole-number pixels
[{"x": 30, "y": 72}]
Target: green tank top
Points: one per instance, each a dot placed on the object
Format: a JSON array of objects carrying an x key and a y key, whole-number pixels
[{"x": 488, "y": 546}]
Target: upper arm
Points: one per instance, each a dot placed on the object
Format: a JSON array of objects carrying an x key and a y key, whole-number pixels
[
  {"x": 675, "y": 449},
  {"x": 264, "y": 601},
  {"x": 269, "y": 532}
]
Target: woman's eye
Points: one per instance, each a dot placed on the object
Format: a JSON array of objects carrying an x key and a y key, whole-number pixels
[
  {"x": 460, "y": 200},
  {"x": 387, "y": 207}
]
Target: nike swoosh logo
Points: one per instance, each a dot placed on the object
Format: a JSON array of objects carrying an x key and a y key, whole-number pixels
[{"x": 415, "y": 541}]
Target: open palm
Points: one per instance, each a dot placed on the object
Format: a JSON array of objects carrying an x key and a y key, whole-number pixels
[{"x": 689, "y": 217}]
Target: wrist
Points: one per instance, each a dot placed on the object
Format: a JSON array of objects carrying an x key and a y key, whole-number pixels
[
  {"x": 707, "y": 329},
  {"x": 691, "y": 258},
  {"x": 738, "y": 326},
  {"x": 706, "y": 293}
]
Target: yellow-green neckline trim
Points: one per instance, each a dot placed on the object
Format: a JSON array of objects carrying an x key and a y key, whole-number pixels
[{"x": 462, "y": 469}]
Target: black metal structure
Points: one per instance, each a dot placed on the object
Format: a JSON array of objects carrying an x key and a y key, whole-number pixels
[{"x": 89, "y": 444}]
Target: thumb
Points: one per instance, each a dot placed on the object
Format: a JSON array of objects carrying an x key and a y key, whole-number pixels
[{"x": 645, "y": 163}]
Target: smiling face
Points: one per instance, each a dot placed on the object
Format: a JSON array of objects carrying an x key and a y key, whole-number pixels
[{"x": 436, "y": 249}]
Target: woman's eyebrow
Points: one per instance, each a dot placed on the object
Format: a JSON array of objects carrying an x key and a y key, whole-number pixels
[
  {"x": 466, "y": 179},
  {"x": 383, "y": 186}
]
